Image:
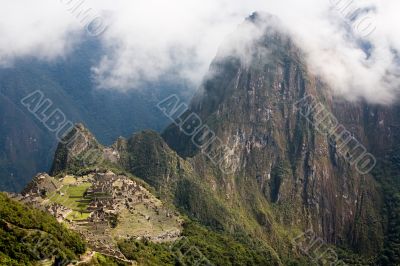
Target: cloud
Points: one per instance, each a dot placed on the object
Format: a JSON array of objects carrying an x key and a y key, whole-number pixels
[
  {"x": 34, "y": 28},
  {"x": 352, "y": 45},
  {"x": 151, "y": 38}
]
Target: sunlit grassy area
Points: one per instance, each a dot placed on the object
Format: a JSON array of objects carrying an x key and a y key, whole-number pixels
[
  {"x": 136, "y": 223},
  {"x": 68, "y": 179},
  {"x": 78, "y": 191},
  {"x": 45, "y": 263},
  {"x": 77, "y": 216},
  {"x": 70, "y": 196}
]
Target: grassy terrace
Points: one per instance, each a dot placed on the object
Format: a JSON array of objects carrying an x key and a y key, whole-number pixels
[
  {"x": 72, "y": 196},
  {"x": 77, "y": 216}
]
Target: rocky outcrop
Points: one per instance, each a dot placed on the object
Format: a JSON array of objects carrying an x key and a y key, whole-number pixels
[
  {"x": 78, "y": 149},
  {"x": 41, "y": 184}
]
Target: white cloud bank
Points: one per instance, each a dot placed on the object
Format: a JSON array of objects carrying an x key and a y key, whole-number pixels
[{"x": 151, "y": 38}]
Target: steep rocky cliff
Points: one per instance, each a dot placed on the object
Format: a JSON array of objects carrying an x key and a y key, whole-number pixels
[{"x": 286, "y": 170}]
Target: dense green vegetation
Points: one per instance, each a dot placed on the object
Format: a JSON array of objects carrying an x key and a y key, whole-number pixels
[
  {"x": 200, "y": 244},
  {"x": 391, "y": 253},
  {"x": 354, "y": 259},
  {"x": 101, "y": 260},
  {"x": 28, "y": 235},
  {"x": 388, "y": 173}
]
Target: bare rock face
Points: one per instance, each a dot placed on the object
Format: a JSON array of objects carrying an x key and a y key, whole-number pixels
[
  {"x": 80, "y": 148},
  {"x": 40, "y": 185},
  {"x": 249, "y": 102}
]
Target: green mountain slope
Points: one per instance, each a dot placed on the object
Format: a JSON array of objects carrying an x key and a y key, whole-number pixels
[{"x": 28, "y": 235}]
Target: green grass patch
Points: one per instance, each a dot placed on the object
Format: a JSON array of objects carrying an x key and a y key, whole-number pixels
[
  {"x": 72, "y": 196},
  {"x": 78, "y": 216}
]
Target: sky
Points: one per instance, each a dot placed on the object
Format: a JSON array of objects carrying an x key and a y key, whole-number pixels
[{"x": 352, "y": 45}]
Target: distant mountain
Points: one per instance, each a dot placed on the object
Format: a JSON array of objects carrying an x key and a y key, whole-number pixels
[{"x": 26, "y": 146}]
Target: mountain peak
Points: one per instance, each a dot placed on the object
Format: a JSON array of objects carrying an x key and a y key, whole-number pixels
[
  {"x": 248, "y": 101},
  {"x": 264, "y": 17},
  {"x": 78, "y": 145}
]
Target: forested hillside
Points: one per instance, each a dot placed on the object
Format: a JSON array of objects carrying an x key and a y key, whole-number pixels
[{"x": 28, "y": 235}]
